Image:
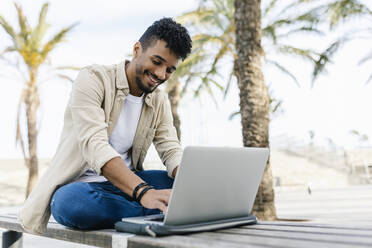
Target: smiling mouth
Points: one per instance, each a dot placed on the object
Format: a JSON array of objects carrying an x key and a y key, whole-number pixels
[{"x": 152, "y": 80}]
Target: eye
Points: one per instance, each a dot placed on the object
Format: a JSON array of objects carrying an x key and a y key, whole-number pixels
[
  {"x": 156, "y": 62},
  {"x": 169, "y": 70}
]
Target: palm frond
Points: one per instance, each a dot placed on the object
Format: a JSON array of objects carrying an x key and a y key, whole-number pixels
[
  {"x": 369, "y": 79},
  {"x": 68, "y": 67},
  {"x": 307, "y": 54},
  {"x": 325, "y": 57},
  {"x": 189, "y": 79},
  {"x": 305, "y": 30},
  {"x": 23, "y": 23},
  {"x": 270, "y": 32},
  {"x": 225, "y": 49},
  {"x": 64, "y": 76},
  {"x": 7, "y": 50},
  {"x": 41, "y": 28},
  {"x": 344, "y": 10},
  {"x": 233, "y": 115},
  {"x": 365, "y": 59},
  {"x": 298, "y": 4},
  {"x": 310, "y": 18},
  {"x": 227, "y": 88},
  {"x": 205, "y": 85},
  {"x": 269, "y": 8},
  {"x": 10, "y": 31},
  {"x": 195, "y": 17},
  {"x": 275, "y": 105},
  {"x": 203, "y": 38},
  {"x": 284, "y": 70},
  {"x": 55, "y": 40}
]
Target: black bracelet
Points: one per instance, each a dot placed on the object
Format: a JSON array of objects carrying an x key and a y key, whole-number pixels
[
  {"x": 134, "y": 195},
  {"x": 143, "y": 192}
]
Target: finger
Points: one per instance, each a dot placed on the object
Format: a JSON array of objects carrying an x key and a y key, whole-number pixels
[
  {"x": 162, "y": 207},
  {"x": 164, "y": 199},
  {"x": 166, "y": 192}
]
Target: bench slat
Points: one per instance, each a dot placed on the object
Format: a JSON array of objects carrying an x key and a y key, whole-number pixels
[
  {"x": 320, "y": 225},
  {"x": 330, "y": 238},
  {"x": 185, "y": 241},
  {"x": 268, "y": 241},
  {"x": 313, "y": 229},
  {"x": 102, "y": 238}
]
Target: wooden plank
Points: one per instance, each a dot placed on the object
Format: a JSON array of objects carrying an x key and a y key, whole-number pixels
[
  {"x": 313, "y": 229},
  {"x": 102, "y": 238},
  {"x": 184, "y": 241},
  {"x": 270, "y": 241},
  {"x": 330, "y": 238},
  {"x": 314, "y": 224}
]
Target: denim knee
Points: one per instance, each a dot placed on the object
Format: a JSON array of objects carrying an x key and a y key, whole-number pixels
[{"x": 62, "y": 205}]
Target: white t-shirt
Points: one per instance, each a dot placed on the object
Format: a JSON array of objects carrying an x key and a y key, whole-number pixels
[{"x": 122, "y": 136}]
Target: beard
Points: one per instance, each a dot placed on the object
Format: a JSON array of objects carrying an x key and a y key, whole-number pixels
[{"x": 140, "y": 73}]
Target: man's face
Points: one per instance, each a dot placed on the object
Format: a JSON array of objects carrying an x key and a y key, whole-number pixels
[{"x": 154, "y": 66}]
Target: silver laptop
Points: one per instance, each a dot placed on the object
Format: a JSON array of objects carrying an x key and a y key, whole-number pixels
[{"x": 213, "y": 185}]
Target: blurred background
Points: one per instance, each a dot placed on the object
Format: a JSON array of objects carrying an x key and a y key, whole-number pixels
[{"x": 317, "y": 65}]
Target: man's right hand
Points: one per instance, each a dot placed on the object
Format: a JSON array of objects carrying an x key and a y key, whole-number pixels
[
  {"x": 122, "y": 177},
  {"x": 156, "y": 199}
]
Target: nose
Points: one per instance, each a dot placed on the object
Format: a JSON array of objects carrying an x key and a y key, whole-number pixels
[{"x": 161, "y": 73}]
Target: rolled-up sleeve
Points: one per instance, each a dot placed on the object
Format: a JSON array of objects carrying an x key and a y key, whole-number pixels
[
  {"x": 166, "y": 141},
  {"x": 89, "y": 120}
]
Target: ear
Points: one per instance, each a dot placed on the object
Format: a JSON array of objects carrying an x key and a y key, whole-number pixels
[{"x": 137, "y": 49}]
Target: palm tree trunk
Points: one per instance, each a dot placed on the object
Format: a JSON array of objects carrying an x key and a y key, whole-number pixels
[
  {"x": 32, "y": 104},
  {"x": 254, "y": 97},
  {"x": 174, "y": 96}
]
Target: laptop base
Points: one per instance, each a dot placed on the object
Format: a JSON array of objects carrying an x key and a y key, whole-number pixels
[{"x": 161, "y": 229}]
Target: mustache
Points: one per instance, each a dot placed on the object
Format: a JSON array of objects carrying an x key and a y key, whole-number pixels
[{"x": 154, "y": 76}]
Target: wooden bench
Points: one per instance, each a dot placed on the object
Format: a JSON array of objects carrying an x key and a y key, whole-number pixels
[{"x": 264, "y": 234}]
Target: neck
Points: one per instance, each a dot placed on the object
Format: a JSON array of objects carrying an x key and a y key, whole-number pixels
[{"x": 130, "y": 71}]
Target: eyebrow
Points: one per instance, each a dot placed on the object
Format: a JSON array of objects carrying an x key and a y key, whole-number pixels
[{"x": 162, "y": 59}]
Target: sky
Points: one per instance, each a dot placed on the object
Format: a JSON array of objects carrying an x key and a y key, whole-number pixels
[{"x": 338, "y": 103}]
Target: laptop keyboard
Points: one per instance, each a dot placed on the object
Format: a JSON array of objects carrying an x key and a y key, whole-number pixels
[{"x": 155, "y": 218}]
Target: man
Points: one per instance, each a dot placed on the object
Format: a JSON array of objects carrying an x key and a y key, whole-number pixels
[{"x": 113, "y": 115}]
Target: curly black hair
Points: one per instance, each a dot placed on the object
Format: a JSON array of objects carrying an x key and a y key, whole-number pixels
[{"x": 174, "y": 34}]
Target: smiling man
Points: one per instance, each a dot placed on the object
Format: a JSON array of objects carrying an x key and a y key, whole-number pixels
[{"x": 114, "y": 113}]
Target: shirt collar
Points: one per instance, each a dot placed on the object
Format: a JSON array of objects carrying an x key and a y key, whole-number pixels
[{"x": 122, "y": 82}]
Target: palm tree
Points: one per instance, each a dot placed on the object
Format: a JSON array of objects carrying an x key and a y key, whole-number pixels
[
  {"x": 254, "y": 96},
  {"x": 27, "y": 44},
  {"x": 216, "y": 31}
]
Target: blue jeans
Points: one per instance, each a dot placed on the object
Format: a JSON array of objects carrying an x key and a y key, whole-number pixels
[{"x": 89, "y": 206}]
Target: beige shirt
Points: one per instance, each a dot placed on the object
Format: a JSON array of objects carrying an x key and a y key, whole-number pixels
[{"x": 93, "y": 109}]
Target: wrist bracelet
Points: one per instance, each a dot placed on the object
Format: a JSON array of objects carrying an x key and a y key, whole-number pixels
[
  {"x": 143, "y": 192},
  {"x": 134, "y": 195}
]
